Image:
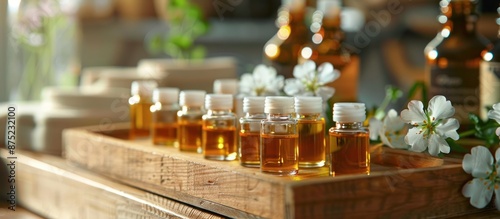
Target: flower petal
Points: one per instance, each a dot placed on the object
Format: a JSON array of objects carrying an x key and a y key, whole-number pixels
[
  {"x": 325, "y": 92},
  {"x": 416, "y": 140},
  {"x": 435, "y": 143},
  {"x": 293, "y": 87},
  {"x": 440, "y": 108},
  {"x": 375, "y": 126},
  {"x": 479, "y": 162},
  {"x": 478, "y": 192},
  {"x": 303, "y": 70},
  {"x": 326, "y": 73},
  {"x": 497, "y": 196},
  {"x": 393, "y": 122},
  {"x": 495, "y": 113},
  {"x": 415, "y": 113},
  {"x": 448, "y": 128}
]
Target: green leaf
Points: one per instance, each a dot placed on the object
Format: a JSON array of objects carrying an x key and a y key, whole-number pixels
[
  {"x": 198, "y": 52},
  {"x": 183, "y": 41},
  {"x": 456, "y": 147},
  {"x": 154, "y": 43}
]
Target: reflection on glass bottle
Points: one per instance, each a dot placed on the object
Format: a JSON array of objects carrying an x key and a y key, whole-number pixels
[
  {"x": 140, "y": 103},
  {"x": 490, "y": 76},
  {"x": 453, "y": 58},
  {"x": 325, "y": 45},
  {"x": 282, "y": 50},
  {"x": 349, "y": 150}
]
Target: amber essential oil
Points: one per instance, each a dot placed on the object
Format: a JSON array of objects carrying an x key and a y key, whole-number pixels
[
  {"x": 311, "y": 128},
  {"x": 140, "y": 103},
  {"x": 219, "y": 139},
  {"x": 249, "y": 135},
  {"x": 349, "y": 140},
  {"x": 164, "y": 116},
  {"x": 189, "y": 120},
  {"x": 279, "y": 151},
  {"x": 280, "y": 154}
]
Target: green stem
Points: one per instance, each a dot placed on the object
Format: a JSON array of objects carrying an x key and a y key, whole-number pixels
[{"x": 467, "y": 133}]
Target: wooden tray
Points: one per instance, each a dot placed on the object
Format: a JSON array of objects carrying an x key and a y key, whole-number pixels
[
  {"x": 52, "y": 188},
  {"x": 402, "y": 184}
]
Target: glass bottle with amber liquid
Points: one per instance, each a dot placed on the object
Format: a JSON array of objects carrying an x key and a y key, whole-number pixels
[
  {"x": 164, "y": 112},
  {"x": 140, "y": 103},
  {"x": 326, "y": 45},
  {"x": 453, "y": 59},
  {"x": 349, "y": 140},
  {"x": 189, "y": 120},
  {"x": 489, "y": 77},
  {"x": 249, "y": 136},
  {"x": 282, "y": 50},
  {"x": 311, "y": 128},
  {"x": 279, "y": 137},
  {"x": 219, "y": 139}
]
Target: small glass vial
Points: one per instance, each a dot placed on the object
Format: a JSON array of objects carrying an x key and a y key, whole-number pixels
[
  {"x": 219, "y": 128},
  {"x": 140, "y": 103},
  {"x": 311, "y": 126},
  {"x": 230, "y": 86},
  {"x": 279, "y": 148},
  {"x": 349, "y": 140},
  {"x": 164, "y": 110},
  {"x": 249, "y": 150},
  {"x": 189, "y": 120}
]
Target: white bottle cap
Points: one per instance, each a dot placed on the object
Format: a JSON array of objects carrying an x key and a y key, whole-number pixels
[
  {"x": 308, "y": 104},
  {"x": 349, "y": 112},
  {"x": 253, "y": 104},
  {"x": 143, "y": 88},
  {"x": 168, "y": 95},
  {"x": 192, "y": 98},
  {"x": 219, "y": 101},
  {"x": 226, "y": 86},
  {"x": 279, "y": 104}
]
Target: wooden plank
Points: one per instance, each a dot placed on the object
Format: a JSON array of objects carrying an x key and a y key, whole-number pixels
[
  {"x": 401, "y": 183},
  {"x": 52, "y": 188}
]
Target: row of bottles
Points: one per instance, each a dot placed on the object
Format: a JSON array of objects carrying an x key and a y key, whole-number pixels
[
  {"x": 321, "y": 42},
  {"x": 278, "y": 134}
]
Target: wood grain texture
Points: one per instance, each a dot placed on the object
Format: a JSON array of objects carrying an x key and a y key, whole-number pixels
[
  {"x": 402, "y": 184},
  {"x": 52, "y": 188}
]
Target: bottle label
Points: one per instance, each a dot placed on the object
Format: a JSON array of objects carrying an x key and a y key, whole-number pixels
[
  {"x": 489, "y": 85},
  {"x": 460, "y": 85}
]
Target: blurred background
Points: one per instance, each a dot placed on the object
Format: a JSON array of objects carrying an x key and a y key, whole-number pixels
[{"x": 113, "y": 33}]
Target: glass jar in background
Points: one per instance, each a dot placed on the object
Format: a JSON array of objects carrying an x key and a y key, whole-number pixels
[
  {"x": 189, "y": 120},
  {"x": 453, "y": 58},
  {"x": 164, "y": 116},
  {"x": 140, "y": 108}
]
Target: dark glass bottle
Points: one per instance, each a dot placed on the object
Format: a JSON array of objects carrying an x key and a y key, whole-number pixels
[
  {"x": 453, "y": 58},
  {"x": 326, "y": 45},
  {"x": 489, "y": 77},
  {"x": 282, "y": 50}
]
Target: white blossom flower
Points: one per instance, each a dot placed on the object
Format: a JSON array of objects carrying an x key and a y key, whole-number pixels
[
  {"x": 495, "y": 114},
  {"x": 391, "y": 130},
  {"x": 311, "y": 82},
  {"x": 430, "y": 127},
  {"x": 263, "y": 81},
  {"x": 481, "y": 165}
]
